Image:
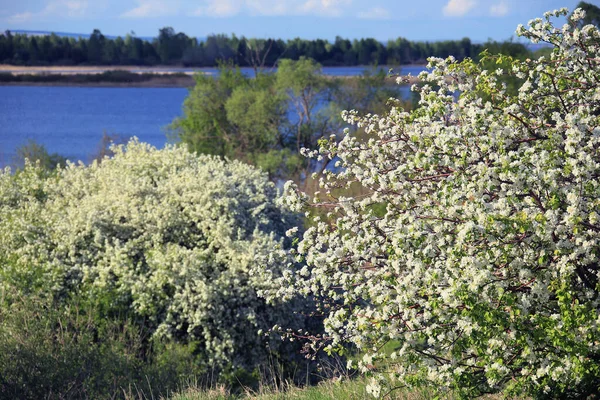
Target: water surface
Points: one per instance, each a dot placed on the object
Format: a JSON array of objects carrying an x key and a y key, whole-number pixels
[{"x": 71, "y": 120}]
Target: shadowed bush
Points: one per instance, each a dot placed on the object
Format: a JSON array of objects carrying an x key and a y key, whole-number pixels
[{"x": 53, "y": 351}]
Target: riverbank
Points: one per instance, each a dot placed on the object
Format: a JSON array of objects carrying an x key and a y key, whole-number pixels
[
  {"x": 108, "y": 80},
  {"x": 135, "y": 76},
  {"x": 92, "y": 69}
]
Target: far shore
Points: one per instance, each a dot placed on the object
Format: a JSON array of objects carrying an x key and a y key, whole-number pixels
[
  {"x": 144, "y": 69},
  {"x": 91, "y": 69},
  {"x": 154, "y": 83},
  {"x": 163, "y": 76}
]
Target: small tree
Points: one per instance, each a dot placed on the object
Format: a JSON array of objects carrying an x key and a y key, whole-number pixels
[
  {"x": 472, "y": 261},
  {"x": 267, "y": 120},
  {"x": 306, "y": 91},
  {"x": 234, "y": 116},
  {"x": 34, "y": 152}
]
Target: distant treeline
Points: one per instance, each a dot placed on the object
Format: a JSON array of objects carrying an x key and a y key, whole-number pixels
[{"x": 171, "y": 48}]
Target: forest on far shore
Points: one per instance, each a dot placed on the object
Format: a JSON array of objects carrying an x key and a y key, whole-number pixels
[{"x": 176, "y": 48}]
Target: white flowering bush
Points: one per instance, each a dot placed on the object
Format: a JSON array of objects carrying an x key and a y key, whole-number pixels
[
  {"x": 180, "y": 243},
  {"x": 471, "y": 263}
]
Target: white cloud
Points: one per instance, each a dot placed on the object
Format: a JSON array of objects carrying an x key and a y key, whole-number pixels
[
  {"x": 269, "y": 7},
  {"x": 228, "y": 8},
  {"x": 458, "y": 8},
  {"x": 375, "y": 13},
  {"x": 219, "y": 8},
  {"x": 73, "y": 8},
  {"x": 20, "y": 18},
  {"x": 325, "y": 7},
  {"x": 499, "y": 10},
  {"x": 68, "y": 8},
  {"x": 152, "y": 9}
]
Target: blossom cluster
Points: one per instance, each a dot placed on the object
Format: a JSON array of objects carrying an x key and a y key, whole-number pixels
[
  {"x": 172, "y": 238},
  {"x": 470, "y": 260}
]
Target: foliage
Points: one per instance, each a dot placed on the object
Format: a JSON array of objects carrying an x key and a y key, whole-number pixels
[
  {"x": 306, "y": 92},
  {"x": 476, "y": 247},
  {"x": 37, "y": 153},
  {"x": 239, "y": 117},
  {"x": 369, "y": 91},
  {"x": 174, "y": 242},
  {"x": 234, "y": 116}
]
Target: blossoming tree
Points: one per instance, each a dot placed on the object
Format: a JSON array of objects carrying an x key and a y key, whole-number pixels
[{"x": 472, "y": 262}]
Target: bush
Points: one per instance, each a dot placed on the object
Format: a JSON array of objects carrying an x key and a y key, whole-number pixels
[
  {"x": 49, "y": 352},
  {"x": 476, "y": 248},
  {"x": 178, "y": 244}
]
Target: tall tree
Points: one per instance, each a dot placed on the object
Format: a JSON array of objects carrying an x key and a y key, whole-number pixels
[
  {"x": 164, "y": 44},
  {"x": 95, "y": 47},
  {"x": 6, "y": 46}
]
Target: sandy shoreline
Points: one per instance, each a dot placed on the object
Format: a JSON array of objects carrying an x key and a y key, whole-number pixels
[
  {"x": 146, "y": 84},
  {"x": 163, "y": 75},
  {"x": 94, "y": 69}
]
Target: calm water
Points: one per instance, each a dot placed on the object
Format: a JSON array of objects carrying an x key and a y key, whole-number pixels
[{"x": 70, "y": 121}]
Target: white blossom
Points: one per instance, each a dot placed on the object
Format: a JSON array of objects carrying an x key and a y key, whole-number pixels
[{"x": 475, "y": 243}]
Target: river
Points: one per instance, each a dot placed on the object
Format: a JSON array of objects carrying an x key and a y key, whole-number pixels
[{"x": 71, "y": 121}]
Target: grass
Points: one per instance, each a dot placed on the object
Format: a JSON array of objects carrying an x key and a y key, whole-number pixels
[
  {"x": 338, "y": 389},
  {"x": 348, "y": 389}
]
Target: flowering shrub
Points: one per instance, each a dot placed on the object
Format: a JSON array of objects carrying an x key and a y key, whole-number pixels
[
  {"x": 472, "y": 262},
  {"x": 172, "y": 239}
]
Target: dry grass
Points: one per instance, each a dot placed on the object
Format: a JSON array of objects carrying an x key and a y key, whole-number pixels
[{"x": 334, "y": 389}]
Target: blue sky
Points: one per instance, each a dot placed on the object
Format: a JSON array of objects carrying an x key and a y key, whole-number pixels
[{"x": 308, "y": 19}]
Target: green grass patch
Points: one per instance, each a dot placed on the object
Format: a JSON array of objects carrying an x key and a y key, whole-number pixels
[{"x": 347, "y": 389}]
